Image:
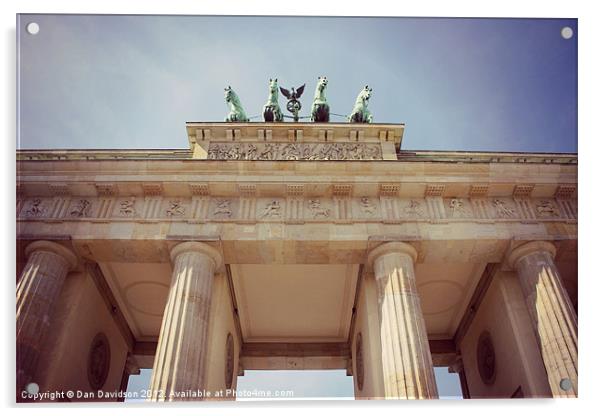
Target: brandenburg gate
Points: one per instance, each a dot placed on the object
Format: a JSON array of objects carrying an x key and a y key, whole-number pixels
[{"x": 267, "y": 246}]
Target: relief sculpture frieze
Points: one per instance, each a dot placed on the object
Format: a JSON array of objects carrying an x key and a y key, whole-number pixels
[
  {"x": 36, "y": 208},
  {"x": 367, "y": 206},
  {"x": 317, "y": 210},
  {"x": 272, "y": 210},
  {"x": 295, "y": 151},
  {"x": 414, "y": 209},
  {"x": 458, "y": 208},
  {"x": 546, "y": 209},
  {"x": 223, "y": 208},
  {"x": 127, "y": 208},
  {"x": 81, "y": 209},
  {"x": 502, "y": 209},
  {"x": 175, "y": 209},
  {"x": 275, "y": 209}
]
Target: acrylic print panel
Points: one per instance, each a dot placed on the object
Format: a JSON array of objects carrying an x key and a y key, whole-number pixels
[{"x": 103, "y": 106}]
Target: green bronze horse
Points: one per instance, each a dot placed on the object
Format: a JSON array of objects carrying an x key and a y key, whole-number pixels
[
  {"x": 360, "y": 112},
  {"x": 236, "y": 111},
  {"x": 320, "y": 110},
  {"x": 271, "y": 110}
]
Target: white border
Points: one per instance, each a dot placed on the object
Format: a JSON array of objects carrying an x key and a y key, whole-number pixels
[{"x": 590, "y": 135}]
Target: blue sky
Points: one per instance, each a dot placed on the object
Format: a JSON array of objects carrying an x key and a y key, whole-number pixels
[
  {"x": 320, "y": 384},
  {"x": 457, "y": 84}
]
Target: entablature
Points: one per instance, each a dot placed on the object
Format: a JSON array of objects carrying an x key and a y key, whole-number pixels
[
  {"x": 451, "y": 157},
  {"x": 199, "y": 132},
  {"x": 335, "y": 204}
]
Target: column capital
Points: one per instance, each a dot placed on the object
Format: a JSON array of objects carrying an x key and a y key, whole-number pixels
[
  {"x": 530, "y": 248},
  {"x": 131, "y": 365},
  {"x": 457, "y": 366},
  {"x": 55, "y": 248},
  {"x": 392, "y": 247},
  {"x": 198, "y": 247}
]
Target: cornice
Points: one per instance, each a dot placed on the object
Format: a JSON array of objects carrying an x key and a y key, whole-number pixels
[{"x": 149, "y": 155}]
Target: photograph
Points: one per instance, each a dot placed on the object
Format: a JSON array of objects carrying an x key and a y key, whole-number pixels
[{"x": 218, "y": 208}]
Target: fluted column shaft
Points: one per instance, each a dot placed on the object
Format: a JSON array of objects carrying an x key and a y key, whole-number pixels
[
  {"x": 180, "y": 357},
  {"x": 37, "y": 291},
  {"x": 407, "y": 363},
  {"x": 551, "y": 312}
]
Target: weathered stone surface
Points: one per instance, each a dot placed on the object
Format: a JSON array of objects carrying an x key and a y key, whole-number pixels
[
  {"x": 407, "y": 363},
  {"x": 130, "y": 211},
  {"x": 37, "y": 290},
  {"x": 179, "y": 366},
  {"x": 552, "y": 314}
]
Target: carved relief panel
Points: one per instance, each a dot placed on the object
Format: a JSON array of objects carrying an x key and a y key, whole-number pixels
[
  {"x": 270, "y": 209},
  {"x": 366, "y": 207},
  {"x": 99, "y": 361},
  {"x": 414, "y": 209},
  {"x": 175, "y": 208},
  {"x": 295, "y": 209},
  {"x": 486, "y": 362},
  {"x": 295, "y": 151},
  {"x": 318, "y": 209},
  {"x": 456, "y": 208},
  {"x": 546, "y": 208},
  {"x": 223, "y": 208},
  {"x": 128, "y": 207},
  {"x": 504, "y": 208},
  {"x": 35, "y": 208},
  {"x": 80, "y": 208}
]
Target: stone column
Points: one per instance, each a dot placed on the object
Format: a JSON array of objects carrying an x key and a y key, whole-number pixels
[
  {"x": 180, "y": 357},
  {"x": 552, "y": 313},
  {"x": 37, "y": 291},
  {"x": 407, "y": 363}
]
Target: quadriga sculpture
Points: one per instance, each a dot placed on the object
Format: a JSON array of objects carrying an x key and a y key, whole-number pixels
[
  {"x": 271, "y": 110},
  {"x": 320, "y": 111},
  {"x": 237, "y": 113},
  {"x": 360, "y": 112}
]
